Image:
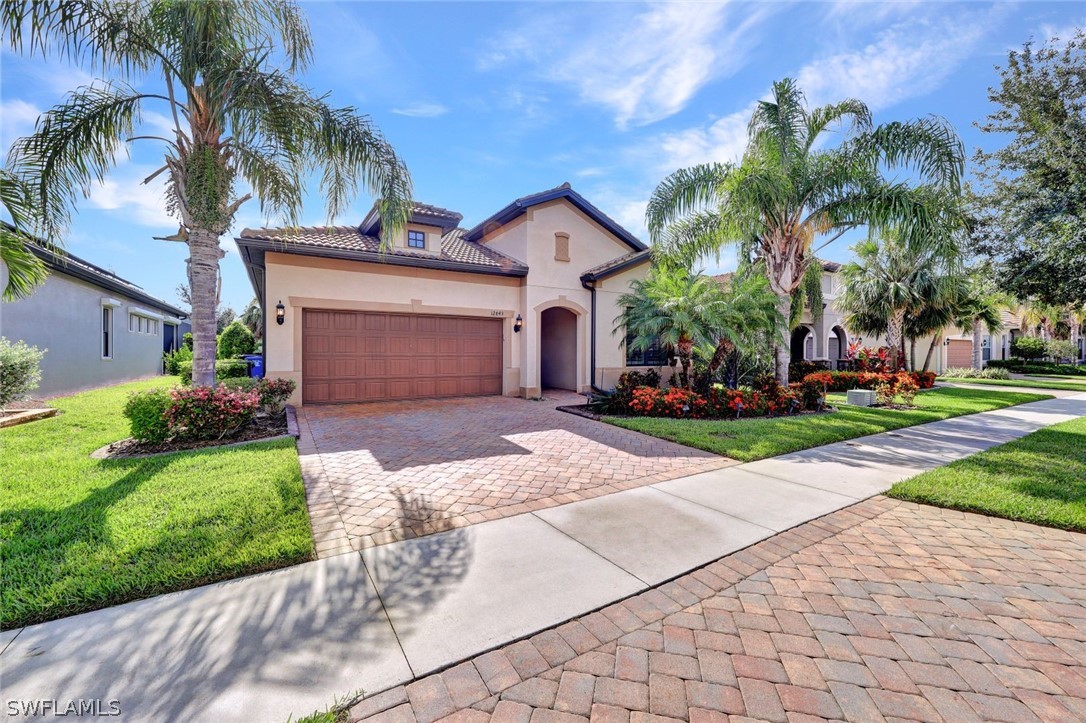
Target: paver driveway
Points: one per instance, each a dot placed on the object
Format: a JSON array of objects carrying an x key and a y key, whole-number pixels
[
  {"x": 883, "y": 611},
  {"x": 376, "y": 473}
]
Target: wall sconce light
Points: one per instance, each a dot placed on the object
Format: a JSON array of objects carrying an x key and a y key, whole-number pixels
[
  {"x": 946, "y": 342},
  {"x": 518, "y": 324},
  {"x": 280, "y": 313}
]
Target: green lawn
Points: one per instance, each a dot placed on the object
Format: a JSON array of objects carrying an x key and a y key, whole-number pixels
[
  {"x": 751, "y": 439},
  {"x": 78, "y": 534},
  {"x": 1040, "y": 478},
  {"x": 1039, "y": 384}
]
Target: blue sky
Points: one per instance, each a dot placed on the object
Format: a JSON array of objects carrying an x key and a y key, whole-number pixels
[{"x": 490, "y": 101}]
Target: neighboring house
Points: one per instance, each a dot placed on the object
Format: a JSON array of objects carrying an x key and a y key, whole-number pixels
[
  {"x": 523, "y": 301},
  {"x": 98, "y": 328}
]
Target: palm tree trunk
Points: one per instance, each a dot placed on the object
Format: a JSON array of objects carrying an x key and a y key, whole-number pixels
[
  {"x": 931, "y": 351},
  {"x": 912, "y": 353},
  {"x": 784, "y": 338},
  {"x": 723, "y": 349},
  {"x": 204, "y": 255},
  {"x": 894, "y": 327},
  {"x": 978, "y": 359}
]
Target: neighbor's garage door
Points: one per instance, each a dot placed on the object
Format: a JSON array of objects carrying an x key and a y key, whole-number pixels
[
  {"x": 355, "y": 356},
  {"x": 959, "y": 353}
]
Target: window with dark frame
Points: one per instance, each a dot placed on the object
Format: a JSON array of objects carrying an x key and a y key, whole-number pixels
[
  {"x": 653, "y": 356},
  {"x": 416, "y": 239},
  {"x": 107, "y": 332}
]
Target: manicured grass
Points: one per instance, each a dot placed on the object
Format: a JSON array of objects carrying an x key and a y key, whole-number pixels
[
  {"x": 1040, "y": 478},
  {"x": 751, "y": 439},
  {"x": 78, "y": 534},
  {"x": 1039, "y": 384}
]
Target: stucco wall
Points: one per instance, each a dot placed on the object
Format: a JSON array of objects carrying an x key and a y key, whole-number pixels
[
  {"x": 302, "y": 282},
  {"x": 65, "y": 316}
]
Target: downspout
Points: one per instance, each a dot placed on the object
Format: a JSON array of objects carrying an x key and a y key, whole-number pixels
[{"x": 590, "y": 284}]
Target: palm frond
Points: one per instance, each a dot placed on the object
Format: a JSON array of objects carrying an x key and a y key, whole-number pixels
[{"x": 687, "y": 190}]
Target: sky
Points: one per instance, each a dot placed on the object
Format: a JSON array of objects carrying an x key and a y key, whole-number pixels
[{"x": 487, "y": 102}]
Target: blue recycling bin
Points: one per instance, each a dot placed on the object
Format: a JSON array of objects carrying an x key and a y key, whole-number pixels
[{"x": 256, "y": 365}]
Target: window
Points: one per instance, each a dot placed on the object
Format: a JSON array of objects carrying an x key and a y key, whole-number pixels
[
  {"x": 986, "y": 348},
  {"x": 654, "y": 356},
  {"x": 416, "y": 239},
  {"x": 138, "y": 324},
  {"x": 107, "y": 332}
]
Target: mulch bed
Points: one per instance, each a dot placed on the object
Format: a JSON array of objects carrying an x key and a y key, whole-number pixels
[{"x": 260, "y": 428}]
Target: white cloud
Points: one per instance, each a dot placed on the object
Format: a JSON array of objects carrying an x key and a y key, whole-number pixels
[
  {"x": 643, "y": 67},
  {"x": 124, "y": 195},
  {"x": 907, "y": 60},
  {"x": 17, "y": 118},
  {"x": 722, "y": 141},
  {"x": 422, "y": 110}
]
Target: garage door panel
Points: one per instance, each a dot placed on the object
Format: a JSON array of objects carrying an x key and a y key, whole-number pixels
[
  {"x": 370, "y": 356},
  {"x": 959, "y": 353}
]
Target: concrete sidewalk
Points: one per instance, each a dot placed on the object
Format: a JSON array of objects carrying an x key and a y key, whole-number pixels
[{"x": 294, "y": 639}]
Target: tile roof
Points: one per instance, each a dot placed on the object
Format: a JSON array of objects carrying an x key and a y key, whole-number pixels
[
  {"x": 454, "y": 248},
  {"x": 615, "y": 264}
]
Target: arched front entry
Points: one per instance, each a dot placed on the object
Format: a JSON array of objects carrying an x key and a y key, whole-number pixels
[
  {"x": 838, "y": 345},
  {"x": 558, "y": 349},
  {"x": 802, "y": 344}
]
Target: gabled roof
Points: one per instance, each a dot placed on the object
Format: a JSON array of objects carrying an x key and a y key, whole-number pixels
[
  {"x": 421, "y": 213},
  {"x": 348, "y": 242},
  {"x": 64, "y": 262},
  {"x": 521, "y": 205}
]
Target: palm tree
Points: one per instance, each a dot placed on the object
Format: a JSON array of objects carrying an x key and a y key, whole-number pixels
[
  {"x": 674, "y": 307},
  {"x": 979, "y": 309},
  {"x": 236, "y": 118},
  {"x": 25, "y": 271},
  {"x": 888, "y": 279},
  {"x": 789, "y": 191},
  {"x": 933, "y": 314},
  {"x": 253, "y": 318},
  {"x": 746, "y": 314}
]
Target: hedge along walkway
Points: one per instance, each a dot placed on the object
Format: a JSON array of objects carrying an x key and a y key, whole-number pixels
[{"x": 885, "y": 610}]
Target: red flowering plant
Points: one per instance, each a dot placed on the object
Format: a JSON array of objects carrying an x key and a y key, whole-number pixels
[
  {"x": 679, "y": 402},
  {"x": 210, "y": 412},
  {"x": 645, "y": 401}
]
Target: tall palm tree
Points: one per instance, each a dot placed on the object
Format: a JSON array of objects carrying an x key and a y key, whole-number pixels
[
  {"x": 979, "y": 309},
  {"x": 237, "y": 118},
  {"x": 890, "y": 277},
  {"x": 933, "y": 314},
  {"x": 790, "y": 195},
  {"x": 25, "y": 271},
  {"x": 746, "y": 314},
  {"x": 674, "y": 307}
]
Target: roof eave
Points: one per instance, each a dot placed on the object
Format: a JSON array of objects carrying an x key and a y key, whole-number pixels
[
  {"x": 629, "y": 263},
  {"x": 379, "y": 258}
]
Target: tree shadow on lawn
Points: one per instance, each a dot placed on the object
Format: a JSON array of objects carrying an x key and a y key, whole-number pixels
[{"x": 249, "y": 648}]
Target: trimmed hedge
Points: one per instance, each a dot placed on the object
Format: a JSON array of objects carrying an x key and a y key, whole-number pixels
[
  {"x": 1019, "y": 366},
  {"x": 843, "y": 381},
  {"x": 224, "y": 369}
]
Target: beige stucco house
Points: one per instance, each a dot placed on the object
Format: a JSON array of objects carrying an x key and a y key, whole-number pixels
[{"x": 523, "y": 301}]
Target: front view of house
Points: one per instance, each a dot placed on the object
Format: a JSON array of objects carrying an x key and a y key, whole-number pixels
[{"x": 524, "y": 301}]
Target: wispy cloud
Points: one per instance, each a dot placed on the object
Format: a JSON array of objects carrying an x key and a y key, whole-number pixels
[
  {"x": 422, "y": 110},
  {"x": 124, "y": 195},
  {"x": 17, "y": 118},
  {"x": 644, "y": 67}
]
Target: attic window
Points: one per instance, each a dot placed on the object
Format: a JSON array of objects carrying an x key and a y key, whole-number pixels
[
  {"x": 416, "y": 239},
  {"x": 561, "y": 246}
]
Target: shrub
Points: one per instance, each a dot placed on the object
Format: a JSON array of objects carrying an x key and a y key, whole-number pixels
[
  {"x": 1037, "y": 367},
  {"x": 969, "y": 373},
  {"x": 803, "y": 368},
  {"x": 235, "y": 340},
  {"x": 885, "y": 394},
  {"x": 1028, "y": 347},
  {"x": 20, "y": 370},
  {"x": 210, "y": 412},
  {"x": 843, "y": 381},
  {"x": 618, "y": 401},
  {"x": 146, "y": 413},
  {"x": 1059, "y": 349},
  {"x": 907, "y": 388},
  {"x": 274, "y": 393},
  {"x": 174, "y": 358},
  {"x": 812, "y": 389},
  {"x": 224, "y": 369}
]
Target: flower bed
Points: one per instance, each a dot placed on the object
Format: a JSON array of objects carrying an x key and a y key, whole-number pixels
[
  {"x": 843, "y": 381},
  {"x": 766, "y": 398},
  {"x": 194, "y": 417}
]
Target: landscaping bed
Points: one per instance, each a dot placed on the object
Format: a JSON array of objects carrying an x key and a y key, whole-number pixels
[
  {"x": 260, "y": 428},
  {"x": 758, "y": 438},
  {"x": 78, "y": 534},
  {"x": 1040, "y": 479}
]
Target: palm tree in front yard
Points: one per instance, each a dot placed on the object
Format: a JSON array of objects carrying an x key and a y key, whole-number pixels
[
  {"x": 979, "y": 309},
  {"x": 236, "y": 119},
  {"x": 790, "y": 195}
]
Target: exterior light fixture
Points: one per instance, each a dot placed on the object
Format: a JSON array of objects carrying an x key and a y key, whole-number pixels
[
  {"x": 280, "y": 313},
  {"x": 946, "y": 342},
  {"x": 518, "y": 324}
]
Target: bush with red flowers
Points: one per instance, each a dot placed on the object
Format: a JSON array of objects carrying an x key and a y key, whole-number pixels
[
  {"x": 843, "y": 381},
  {"x": 210, "y": 412}
]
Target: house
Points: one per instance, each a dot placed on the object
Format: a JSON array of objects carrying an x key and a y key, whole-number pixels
[
  {"x": 522, "y": 301},
  {"x": 98, "y": 328}
]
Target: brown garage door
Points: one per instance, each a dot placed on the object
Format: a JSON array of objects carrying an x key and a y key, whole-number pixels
[
  {"x": 959, "y": 353},
  {"x": 361, "y": 356}
]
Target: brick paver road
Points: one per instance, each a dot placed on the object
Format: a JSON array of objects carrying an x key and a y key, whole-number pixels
[
  {"x": 377, "y": 473},
  {"x": 886, "y": 610}
]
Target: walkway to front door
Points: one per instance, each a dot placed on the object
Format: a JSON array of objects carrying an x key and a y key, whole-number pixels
[{"x": 376, "y": 473}]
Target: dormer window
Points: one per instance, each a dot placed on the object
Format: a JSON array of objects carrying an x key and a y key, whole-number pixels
[{"x": 416, "y": 239}]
